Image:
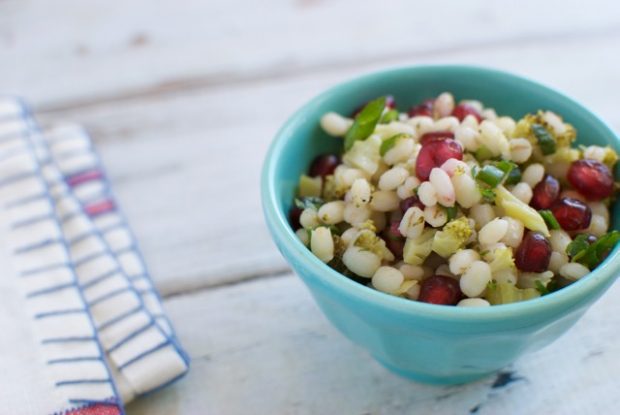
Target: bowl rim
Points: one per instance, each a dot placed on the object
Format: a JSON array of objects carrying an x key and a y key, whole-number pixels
[{"x": 576, "y": 293}]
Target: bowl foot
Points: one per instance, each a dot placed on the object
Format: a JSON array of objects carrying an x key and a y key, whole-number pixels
[{"x": 434, "y": 380}]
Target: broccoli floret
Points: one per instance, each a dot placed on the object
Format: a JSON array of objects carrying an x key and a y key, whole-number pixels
[
  {"x": 502, "y": 259},
  {"x": 417, "y": 249},
  {"x": 452, "y": 237},
  {"x": 563, "y": 134},
  {"x": 368, "y": 240}
]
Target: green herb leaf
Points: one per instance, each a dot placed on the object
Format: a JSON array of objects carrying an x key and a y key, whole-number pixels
[
  {"x": 388, "y": 117},
  {"x": 389, "y": 143},
  {"x": 483, "y": 153},
  {"x": 365, "y": 122},
  {"x": 451, "y": 212},
  {"x": 550, "y": 219},
  {"x": 596, "y": 253},
  {"x": 541, "y": 288},
  {"x": 309, "y": 202},
  {"x": 487, "y": 194},
  {"x": 545, "y": 139},
  {"x": 577, "y": 245}
]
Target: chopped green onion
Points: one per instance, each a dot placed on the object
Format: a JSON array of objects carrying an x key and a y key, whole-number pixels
[
  {"x": 490, "y": 175},
  {"x": 388, "y": 117},
  {"x": 505, "y": 166},
  {"x": 551, "y": 221},
  {"x": 389, "y": 143},
  {"x": 365, "y": 122},
  {"x": 545, "y": 139},
  {"x": 514, "y": 176}
]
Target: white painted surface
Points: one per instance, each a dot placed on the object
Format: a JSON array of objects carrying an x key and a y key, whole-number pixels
[{"x": 182, "y": 99}]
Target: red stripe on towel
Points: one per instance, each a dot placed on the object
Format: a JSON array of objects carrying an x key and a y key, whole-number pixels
[
  {"x": 83, "y": 177},
  {"x": 100, "y": 207}
]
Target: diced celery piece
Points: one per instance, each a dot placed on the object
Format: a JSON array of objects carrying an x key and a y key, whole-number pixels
[
  {"x": 506, "y": 293},
  {"x": 310, "y": 186},
  {"x": 515, "y": 208}
]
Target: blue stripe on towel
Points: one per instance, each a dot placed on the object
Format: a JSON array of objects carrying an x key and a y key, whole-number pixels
[
  {"x": 78, "y": 359},
  {"x": 144, "y": 354},
  {"x": 59, "y": 312},
  {"x": 131, "y": 336},
  {"x": 50, "y": 290},
  {"x": 81, "y": 381}
]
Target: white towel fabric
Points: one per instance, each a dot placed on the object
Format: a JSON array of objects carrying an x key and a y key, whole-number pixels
[{"x": 84, "y": 329}]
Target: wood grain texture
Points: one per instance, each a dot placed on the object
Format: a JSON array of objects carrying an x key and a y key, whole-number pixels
[
  {"x": 186, "y": 166},
  {"x": 264, "y": 348},
  {"x": 94, "y": 50}
]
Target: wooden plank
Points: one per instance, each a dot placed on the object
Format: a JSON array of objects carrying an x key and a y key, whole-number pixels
[
  {"x": 264, "y": 348},
  {"x": 69, "y": 52},
  {"x": 186, "y": 166}
]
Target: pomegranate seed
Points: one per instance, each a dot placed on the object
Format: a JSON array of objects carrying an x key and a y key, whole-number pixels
[
  {"x": 324, "y": 165},
  {"x": 572, "y": 214},
  {"x": 533, "y": 253},
  {"x": 394, "y": 240},
  {"x": 463, "y": 110},
  {"x": 293, "y": 217},
  {"x": 440, "y": 289},
  {"x": 390, "y": 103},
  {"x": 436, "y": 136},
  {"x": 545, "y": 193},
  {"x": 434, "y": 154},
  {"x": 425, "y": 108},
  {"x": 410, "y": 202},
  {"x": 591, "y": 178}
]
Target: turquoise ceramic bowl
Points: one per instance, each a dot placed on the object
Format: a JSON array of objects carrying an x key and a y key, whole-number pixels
[{"x": 425, "y": 342}]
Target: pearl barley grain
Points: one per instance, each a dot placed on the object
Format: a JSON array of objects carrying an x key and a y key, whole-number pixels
[
  {"x": 427, "y": 194},
  {"x": 493, "y": 232},
  {"x": 335, "y": 124},
  {"x": 475, "y": 279},
  {"x": 360, "y": 261},
  {"x": 393, "y": 178},
  {"x": 573, "y": 271},
  {"x": 460, "y": 261},
  {"x": 387, "y": 279},
  {"x": 332, "y": 213},
  {"x": 533, "y": 174},
  {"x": 322, "y": 244}
]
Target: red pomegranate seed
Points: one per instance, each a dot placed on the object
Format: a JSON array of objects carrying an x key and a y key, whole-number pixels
[
  {"x": 572, "y": 214},
  {"x": 324, "y": 165},
  {"x": 534, "y": 253},
  {"x": 463, "y": 110},
  {"x": 293, "y": 217},
  {"x": 434, "y": 154},
  {"x": 411, "y": 202},
  {"x": 436, "y": 136},
  {"x": 394, "y": 240},
  {"x": 440, "y": 289},
  {"x": 425, "y": 108},
  {"x": 390, "y": 103},
  {"x": 545, "y": 193},
  {"x": 591, "y": 178}
]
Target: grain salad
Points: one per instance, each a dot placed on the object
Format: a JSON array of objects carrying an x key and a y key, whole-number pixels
[{"x": 450, "y": 203}]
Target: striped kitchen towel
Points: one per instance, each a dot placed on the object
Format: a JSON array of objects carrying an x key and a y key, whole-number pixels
[{"x": 83, "y": 327}]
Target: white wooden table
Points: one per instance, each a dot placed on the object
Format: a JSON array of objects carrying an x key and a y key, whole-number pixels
[{"x": 183, "y": 98}]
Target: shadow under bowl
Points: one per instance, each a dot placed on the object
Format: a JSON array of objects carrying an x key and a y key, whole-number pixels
[{"x": 425, "y": 342}]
